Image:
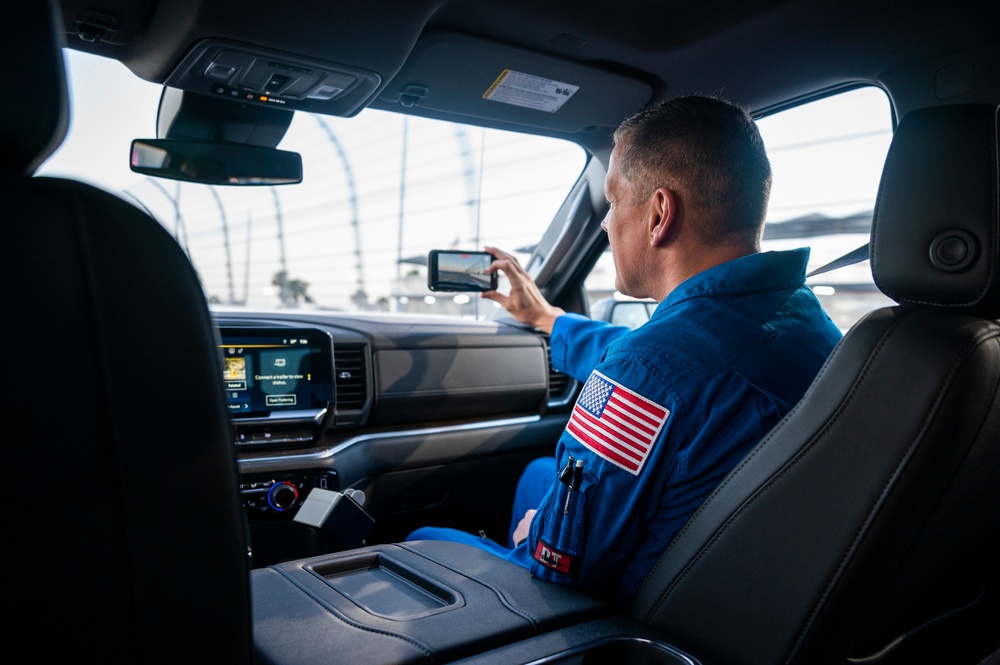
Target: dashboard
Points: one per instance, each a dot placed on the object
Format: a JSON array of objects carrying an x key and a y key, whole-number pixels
[{"x": 415, "y": 412}]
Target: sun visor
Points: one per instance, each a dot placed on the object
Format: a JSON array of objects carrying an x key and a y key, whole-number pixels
[
  {"x": 261, "y": 77},
  {"x": 460, "y": 75}
]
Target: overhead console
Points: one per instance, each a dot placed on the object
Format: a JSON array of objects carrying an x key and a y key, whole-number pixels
[
  {"x": 258, "y": 76},
  {"x": 278, "y": 382}
]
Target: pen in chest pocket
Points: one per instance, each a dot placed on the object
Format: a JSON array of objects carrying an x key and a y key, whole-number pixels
[{"x": 574, "y": 481}]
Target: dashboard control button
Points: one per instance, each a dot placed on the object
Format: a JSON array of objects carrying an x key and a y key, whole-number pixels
[{"x": 282, "y": 496}]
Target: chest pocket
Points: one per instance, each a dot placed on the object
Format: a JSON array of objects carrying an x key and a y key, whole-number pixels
[{"x": 559, "y": 527}]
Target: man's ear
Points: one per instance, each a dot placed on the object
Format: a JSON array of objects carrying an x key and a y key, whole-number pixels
[{"x": 662, "y": 215}]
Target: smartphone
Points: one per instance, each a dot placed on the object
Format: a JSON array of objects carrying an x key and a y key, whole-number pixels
[{"x": 455, "y": 270}]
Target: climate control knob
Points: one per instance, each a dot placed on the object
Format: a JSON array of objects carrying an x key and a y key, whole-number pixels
[{"x": 282, "y": 496}]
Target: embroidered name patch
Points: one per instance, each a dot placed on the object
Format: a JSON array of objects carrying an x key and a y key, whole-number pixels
[
  {"x": 616, "y": 423},
  {"x": 552, "y": 558}
]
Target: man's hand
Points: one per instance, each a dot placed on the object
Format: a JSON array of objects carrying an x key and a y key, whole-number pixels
[
  {"x": 521, "y": 532},
  {"x": 525, "y": 302}
]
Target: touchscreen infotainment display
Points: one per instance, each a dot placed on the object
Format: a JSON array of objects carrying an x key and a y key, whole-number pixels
[{"x": 271, "y": 372}]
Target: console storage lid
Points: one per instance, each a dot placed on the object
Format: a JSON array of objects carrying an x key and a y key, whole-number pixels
[{"x": 426, "y": 601}]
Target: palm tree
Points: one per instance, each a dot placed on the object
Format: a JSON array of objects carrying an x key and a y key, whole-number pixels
[{"x": 290, "y": 291}]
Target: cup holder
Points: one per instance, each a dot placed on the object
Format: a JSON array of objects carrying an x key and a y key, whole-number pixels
[{"x": 631, "y": 650}]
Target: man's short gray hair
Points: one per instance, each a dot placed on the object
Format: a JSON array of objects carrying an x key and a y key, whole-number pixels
[{"x": 711, "y": 153}]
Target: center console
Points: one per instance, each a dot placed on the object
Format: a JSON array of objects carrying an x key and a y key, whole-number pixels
[
  {"x": 279, "y": 388},
  {"x": 410, "y": 602},
  {"x": 433, "y": 602}
]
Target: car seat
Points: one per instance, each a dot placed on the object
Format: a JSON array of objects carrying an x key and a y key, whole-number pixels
[
  {"x": 864, "y": 527},
  {"x": 125, "y": 534}
]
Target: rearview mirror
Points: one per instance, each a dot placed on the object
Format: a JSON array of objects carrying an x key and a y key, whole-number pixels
[{"x": 215, "y": 163}]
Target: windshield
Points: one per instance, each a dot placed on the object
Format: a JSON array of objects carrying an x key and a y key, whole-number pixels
[{"x": 380, "y": 190}]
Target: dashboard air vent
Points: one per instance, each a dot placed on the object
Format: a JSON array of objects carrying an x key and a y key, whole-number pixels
[
  {"x": 560, "y": 385},
  {"x": 350, "y": 375}
]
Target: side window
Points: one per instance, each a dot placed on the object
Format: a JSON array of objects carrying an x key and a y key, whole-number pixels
[{"x": 827, "y": 159}]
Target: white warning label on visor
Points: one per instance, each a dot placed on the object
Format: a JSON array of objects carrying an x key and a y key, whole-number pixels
[{"x": 533, "y": 92}]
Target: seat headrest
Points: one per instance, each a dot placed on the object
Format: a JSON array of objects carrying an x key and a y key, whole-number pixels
[
  {"x": 935, "y": 227},
  {"x": 33, "y": 124}
]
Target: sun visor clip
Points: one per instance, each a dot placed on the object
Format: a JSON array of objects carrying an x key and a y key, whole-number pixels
[
  {"x": 412, "y": 95},
  {"x": 96, "y": 26}
]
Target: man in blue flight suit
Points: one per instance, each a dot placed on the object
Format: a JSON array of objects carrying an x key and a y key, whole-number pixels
[{"x": 668, "y": 409}]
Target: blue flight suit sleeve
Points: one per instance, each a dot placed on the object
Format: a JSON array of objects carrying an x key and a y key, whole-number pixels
[{"x": 578, "y": 343}]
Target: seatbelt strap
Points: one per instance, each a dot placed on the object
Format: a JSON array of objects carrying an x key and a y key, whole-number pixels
[{"x": 855, "y": 256}]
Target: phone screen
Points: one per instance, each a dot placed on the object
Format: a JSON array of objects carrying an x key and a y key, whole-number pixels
[{"x": 455, "y": 270}]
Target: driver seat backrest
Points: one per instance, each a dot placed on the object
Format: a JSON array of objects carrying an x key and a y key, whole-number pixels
[
  {"x": 865, "y": 527},
  {"x": 126, "y": 532}
]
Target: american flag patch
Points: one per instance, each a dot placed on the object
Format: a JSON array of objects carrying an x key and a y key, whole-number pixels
[{"x": 616, "y": 423}]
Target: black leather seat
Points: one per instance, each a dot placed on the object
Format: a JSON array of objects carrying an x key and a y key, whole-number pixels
[
  {"x": 127, "y": 538},
  {"x": 866, "y": 525}
]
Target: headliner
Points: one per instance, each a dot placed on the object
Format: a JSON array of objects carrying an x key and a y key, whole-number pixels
[{"x": 760, "y": 53}]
